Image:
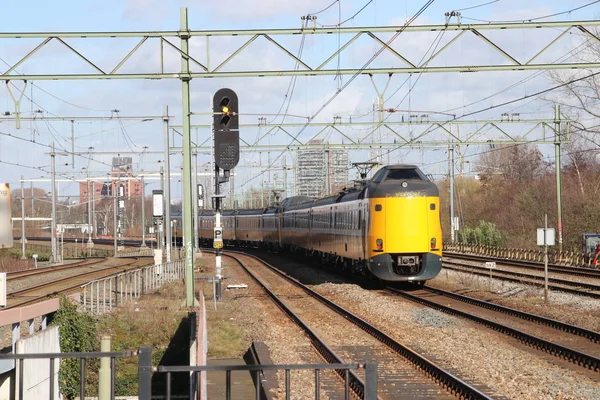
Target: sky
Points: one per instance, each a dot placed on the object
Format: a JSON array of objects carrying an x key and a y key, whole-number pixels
[{"x": 24, "y": 151}]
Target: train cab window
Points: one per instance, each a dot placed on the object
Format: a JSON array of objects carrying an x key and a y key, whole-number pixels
[
  {"x": 379, "y": 176},
  {"x": 401, "y": 174},
  {"x": 432, "y": 206}
]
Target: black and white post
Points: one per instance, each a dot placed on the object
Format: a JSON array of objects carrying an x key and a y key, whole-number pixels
[{"x": 227, "y": 155}]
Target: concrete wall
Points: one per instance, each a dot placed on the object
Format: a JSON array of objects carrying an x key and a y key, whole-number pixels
[{"x": 36, "y": 382}]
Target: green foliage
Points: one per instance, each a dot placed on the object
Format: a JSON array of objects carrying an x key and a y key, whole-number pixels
[
  {"x": 485, "y": 233},
  {"x": 77, "y": 334},
  {"x": 16, "y": 253}
]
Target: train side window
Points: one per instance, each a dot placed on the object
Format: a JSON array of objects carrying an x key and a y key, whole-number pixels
[
  {"x": 378, "y": 207},
  {"x": 359, "y": 218},
  {"x": 432, "y": 206}
]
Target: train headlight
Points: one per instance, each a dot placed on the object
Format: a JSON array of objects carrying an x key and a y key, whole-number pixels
[
  {"x": 379, "y": 244},
  {"x": 404, "y": 184},
  {"x": 433, "y": 241}
]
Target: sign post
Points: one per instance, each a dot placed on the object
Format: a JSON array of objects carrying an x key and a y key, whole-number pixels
[
  {"x": 545, "y": 237},
  {"x": 490, "y": 265}
]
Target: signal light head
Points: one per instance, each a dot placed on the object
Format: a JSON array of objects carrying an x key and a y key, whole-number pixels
[{"x": 225, "y": 110}]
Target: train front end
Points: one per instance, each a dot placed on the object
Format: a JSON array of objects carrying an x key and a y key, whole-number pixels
[{"x": 404, "y": 240}]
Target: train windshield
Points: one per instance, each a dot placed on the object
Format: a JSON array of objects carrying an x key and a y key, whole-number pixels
[{"x": 404, "y": 174}]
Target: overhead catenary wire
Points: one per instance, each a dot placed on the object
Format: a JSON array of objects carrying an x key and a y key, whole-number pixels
[
  {"x": 477, "y": 6},
  {"x": 340, "y": 22},
  {"x": 536, "y": 18},
  {"x": 326, "y": 8},
  {"x": 507, "y": 103},
  {"x": 295, "y": 138},
  {"x": 588, "y": 43}
]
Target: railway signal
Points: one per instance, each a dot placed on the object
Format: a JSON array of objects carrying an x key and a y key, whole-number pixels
[{"x": 226, "y": 127}]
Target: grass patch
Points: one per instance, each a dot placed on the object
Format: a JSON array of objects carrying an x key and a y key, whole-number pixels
[
  {"x": 224, "y": 337},
  {"x": 150, "y": 321}
]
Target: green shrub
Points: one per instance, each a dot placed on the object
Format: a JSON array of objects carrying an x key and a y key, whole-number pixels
[
  {"x": 77, "y": 334},
  {"x": 485, "y": 233}
]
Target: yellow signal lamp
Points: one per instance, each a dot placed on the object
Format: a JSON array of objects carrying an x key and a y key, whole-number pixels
[{"x": 225, "y": 110}]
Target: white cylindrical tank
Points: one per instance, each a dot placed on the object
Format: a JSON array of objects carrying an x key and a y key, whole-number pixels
[{"x": 6, "y": 237}]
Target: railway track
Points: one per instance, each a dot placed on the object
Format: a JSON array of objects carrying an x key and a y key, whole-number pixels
[
  {"x": 563, "y": 285},
  {"x": 574, "y": 344},
  {"x": 11, "y": 276},
  {"x": 402, "y": 372},
  {"x": 573, "y": 271},
  {"x": 42, "y": 291}
]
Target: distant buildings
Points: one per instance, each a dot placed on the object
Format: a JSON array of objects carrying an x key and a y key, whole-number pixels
[
  {"x": 122, "y": 171},
  {"x": 321, "y": 171}
]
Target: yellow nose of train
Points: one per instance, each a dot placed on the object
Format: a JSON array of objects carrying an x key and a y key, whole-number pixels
[{"x": 405, "y": 233}]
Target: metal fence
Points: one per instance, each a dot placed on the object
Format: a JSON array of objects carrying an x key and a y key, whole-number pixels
[
  {"x": 370, "y": 391},
  {"x": 136, "y": 253},
  {"x": 146, "y": 371},
  {"x": 80, "y": 251},
  {"x": 82, "y": 357},
  {"x": 102, "y": 295},
  {"x": 567, "y": 258}
]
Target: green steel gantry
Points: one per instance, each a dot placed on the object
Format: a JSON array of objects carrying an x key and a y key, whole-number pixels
[{"x": 204, "y": 69}]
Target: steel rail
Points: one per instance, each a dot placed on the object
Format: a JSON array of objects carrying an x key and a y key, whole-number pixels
[
  {"x": 449, "y": 381},
  {"x": 355, "y": 383},
  {"x": 576, "y": 271},
  {"x": 14, "y": 275},
  {"x": 14, "y": 295},
  {"x": 577, "y": 357},
  {"x": 521, "y": 281},
  {"x": 590, "y": 286},
  {"x": 573, "y": 329}
]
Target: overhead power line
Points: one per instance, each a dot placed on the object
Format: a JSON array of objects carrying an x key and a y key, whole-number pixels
[
  {"x": 477, "y": 6},
  {"x": 507, "y": 103},
  {"x": 295, "y": 138},
  {"x": 536, "y": 18}
]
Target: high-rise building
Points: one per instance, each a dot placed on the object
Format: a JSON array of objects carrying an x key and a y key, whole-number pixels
[{"x": 321, "y": 171}]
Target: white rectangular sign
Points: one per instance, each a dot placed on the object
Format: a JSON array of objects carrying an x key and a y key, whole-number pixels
[
  {"x": 157, "y": 203},
  {"x": 549, "y": 237},
  {"x": 6, "y": 237},
  {"x": 490, "y": 264}
]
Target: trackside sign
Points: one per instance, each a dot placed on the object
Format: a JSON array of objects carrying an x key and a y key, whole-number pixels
[{"x": 6, "y": 239}]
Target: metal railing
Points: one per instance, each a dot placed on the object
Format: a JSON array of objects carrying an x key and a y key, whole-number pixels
[
  {"x": 370, "y": 392},
  {"x": 146, "y": 371},
  {"x": 101, "y": 295},
  {"x": 136, "y": 253},
  {"x": 568, "y": 258},
  {"x": 80, "y": 251},
  {"x": 113, "y": 355}
]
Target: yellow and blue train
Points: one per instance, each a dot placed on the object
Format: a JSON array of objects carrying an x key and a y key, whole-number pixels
[{"x": 389, "y": 227}]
